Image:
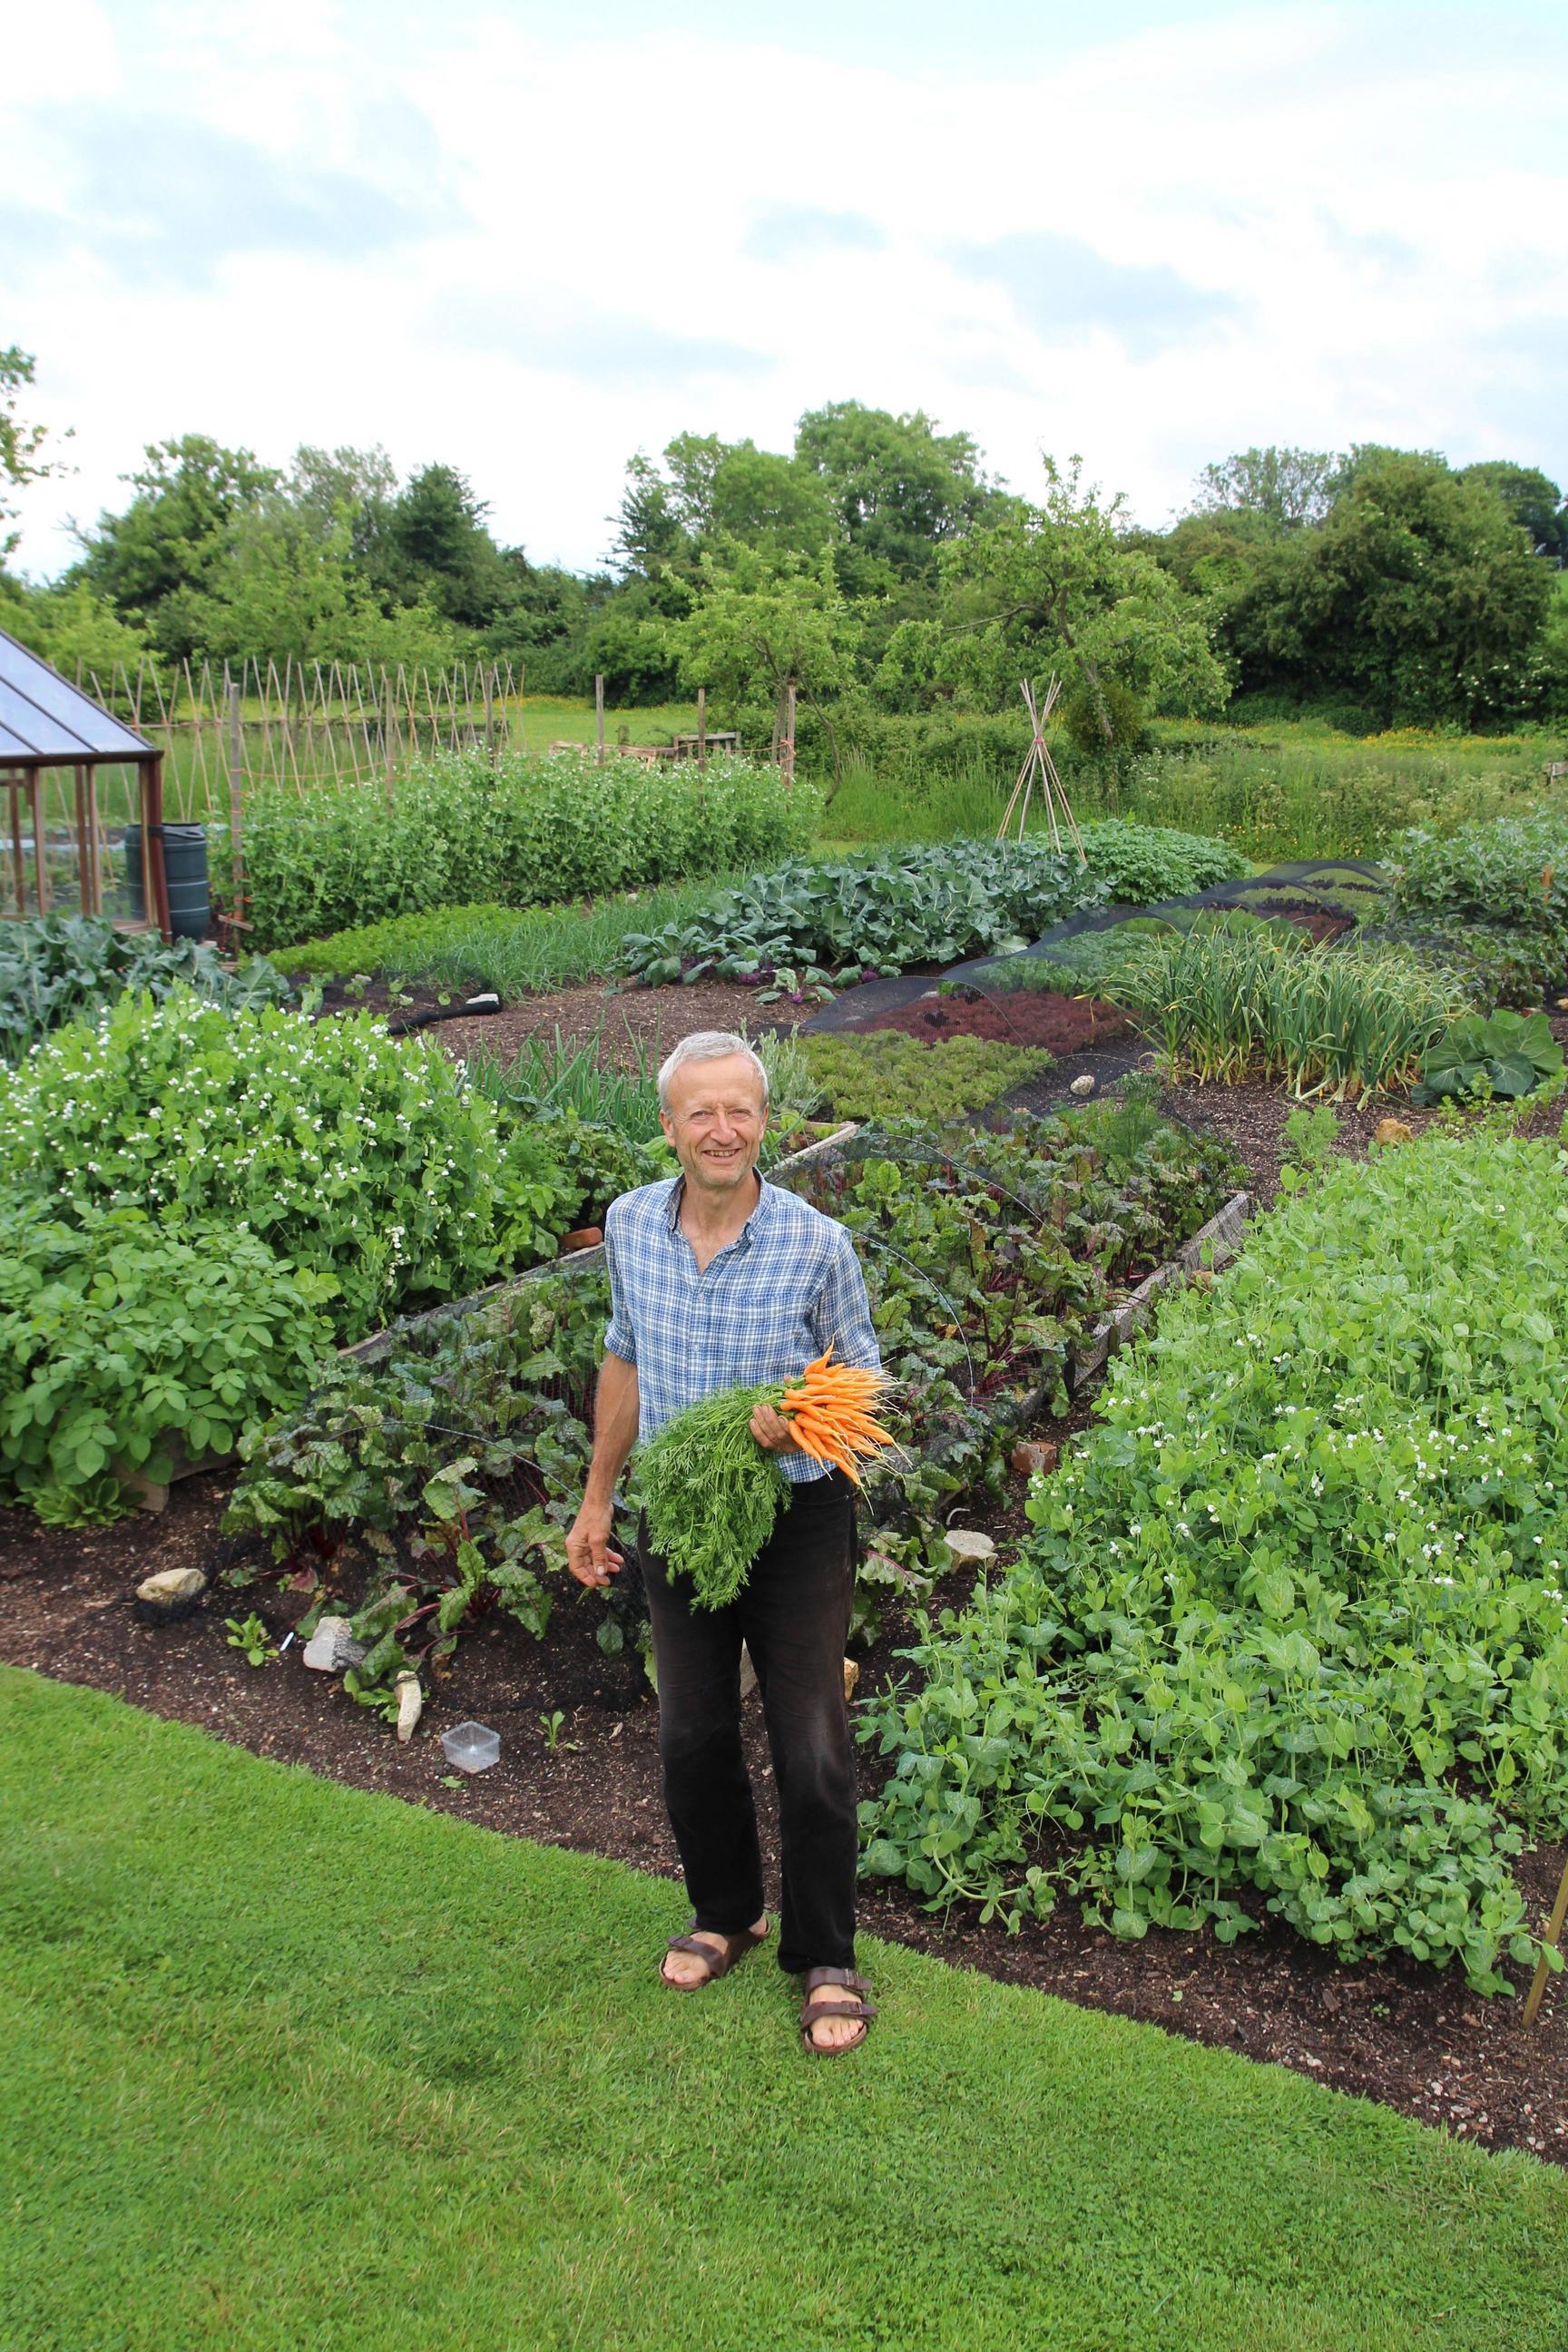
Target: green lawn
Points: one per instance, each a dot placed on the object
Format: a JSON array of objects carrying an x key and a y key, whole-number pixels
[{"x": 285, "y": 2065}]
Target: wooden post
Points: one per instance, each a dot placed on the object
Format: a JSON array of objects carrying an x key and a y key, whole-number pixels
[
  {"x": 702, "y": 730},
  {"x": 1553, "y": 1937},
  {"x": 236, "y": 800},
  {"x": 83, "y": 876},
  {"x": 17, "y": 860},
  {"x": 387, "y": 730},
  {"x": 155, "y": 879},
  {"x": 95, "y": 837},
  {"x": 41, "y": 866},
  {"x": 789, "y": 733},
  {"x": 599, "y": 715}
]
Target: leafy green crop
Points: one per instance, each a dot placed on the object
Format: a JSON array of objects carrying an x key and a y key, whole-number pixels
[
  {"x": 1142, "y": 864},
  {"x": 454, "y": 1465},
  {"x": 117, "y": 1336},
  {"x": 887, "y": 1075},
  {"x": 1503, "y": 882},
  {"x": 983, "y": 1264},
  {"x": 1291, "y": 1632},
  {"x": 1508, "y": 1056},
  {"x": 63, "y": 967}
]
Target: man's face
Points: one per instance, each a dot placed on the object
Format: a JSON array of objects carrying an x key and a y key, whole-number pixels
[{"x": 715, "y": 1121}]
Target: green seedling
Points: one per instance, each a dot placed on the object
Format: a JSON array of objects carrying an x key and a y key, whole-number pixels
[{"x": 250, "y": 1634}]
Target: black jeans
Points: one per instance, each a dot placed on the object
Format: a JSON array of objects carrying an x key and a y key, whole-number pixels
[{"x": 792, "y": 1614}]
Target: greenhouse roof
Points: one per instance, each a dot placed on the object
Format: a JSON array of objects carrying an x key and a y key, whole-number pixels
[{"x": 45, "y": 722}]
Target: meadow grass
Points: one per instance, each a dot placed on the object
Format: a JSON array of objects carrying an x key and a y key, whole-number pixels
[
  {"x": 1280, "y": 793},
  {"x": 290, "y": 2067}
]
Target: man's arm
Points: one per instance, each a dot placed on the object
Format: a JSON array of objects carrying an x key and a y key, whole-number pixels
[
  {"x": 588, "y": 1553},
  {"x": 842, "y": 1316}
]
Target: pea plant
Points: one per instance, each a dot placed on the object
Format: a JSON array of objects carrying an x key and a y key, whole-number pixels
[
  {"x": 356, "y": 1155},
  {"x": 1290, "y": 1638}
]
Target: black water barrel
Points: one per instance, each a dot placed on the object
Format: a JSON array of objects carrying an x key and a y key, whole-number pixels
[{"x": 186, "y": 867}]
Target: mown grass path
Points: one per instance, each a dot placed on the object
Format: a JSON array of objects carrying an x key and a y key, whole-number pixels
[{"x": 284, "y": 2064}]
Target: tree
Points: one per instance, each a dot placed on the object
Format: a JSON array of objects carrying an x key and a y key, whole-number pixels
[
  {"x": 153, "y": 561},
  {"x": 20, "y": 444},
  {"x": 1418, "y": 594},
  {"x": 712, "y": 493},
  {"x": 1530, "y": 500},
  {"x": 358, "y": 484},
  {"x": 899, "y": 491},
  {"x": 1057, "y": 586},
  {"x": 1287, "y": 487},
  {"x": 759, "y": 623},
  {"x": 290, "y": 590},
  {"x": 438, "y": 550}
]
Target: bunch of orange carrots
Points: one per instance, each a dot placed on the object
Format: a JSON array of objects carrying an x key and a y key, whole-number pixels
[{"x": 830, "y": 1414}]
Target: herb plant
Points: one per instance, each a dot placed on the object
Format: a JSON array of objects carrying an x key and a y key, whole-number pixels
[{"x": 887, "y": 1075}]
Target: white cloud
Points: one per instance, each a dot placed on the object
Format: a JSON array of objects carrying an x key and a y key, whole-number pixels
[{"x": 530, "y": 254}]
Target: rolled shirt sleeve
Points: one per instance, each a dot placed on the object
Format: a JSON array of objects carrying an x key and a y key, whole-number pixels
[
  {"x": 841, "y": 1318},
  {"x": 619, "y": 1340}
]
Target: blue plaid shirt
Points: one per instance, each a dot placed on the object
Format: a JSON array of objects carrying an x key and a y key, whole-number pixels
[{"x": 775, "y": 1296}]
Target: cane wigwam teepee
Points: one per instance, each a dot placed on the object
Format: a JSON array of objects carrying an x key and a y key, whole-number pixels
[{"x": 1040, "y": 768}]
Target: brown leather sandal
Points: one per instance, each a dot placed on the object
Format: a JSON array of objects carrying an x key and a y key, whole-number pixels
[
  {"x": 810, "y": 2010},
  {"x": 718, "y": 1963}
]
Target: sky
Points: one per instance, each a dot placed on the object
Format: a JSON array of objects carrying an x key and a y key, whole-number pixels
[{"x": 529, "y": 240}]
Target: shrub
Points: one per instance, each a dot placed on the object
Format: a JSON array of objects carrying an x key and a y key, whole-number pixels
[
  {"x": 117, "y": 1335},
  {"x": 1292, "y": 1626},
  {"x": 352, "y": 1154},
  {"x": 523, "y": 832}
]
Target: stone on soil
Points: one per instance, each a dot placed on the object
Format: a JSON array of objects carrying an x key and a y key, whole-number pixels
[
  {"x": 1036, "y": 1457},
  {"x": 331, "y": 1646},
  {"x": 173, "y": 1584},
  {"x": 969, "y": 1548}
]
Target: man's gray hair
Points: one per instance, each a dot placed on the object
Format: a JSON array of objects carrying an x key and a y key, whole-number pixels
[{"x": 708, "y": 1045}]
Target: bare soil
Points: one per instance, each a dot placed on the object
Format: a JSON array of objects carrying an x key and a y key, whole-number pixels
[{"x": 1406, "y": 2035}]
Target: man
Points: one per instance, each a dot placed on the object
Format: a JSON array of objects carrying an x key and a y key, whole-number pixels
[{"x": 720, "y": 1280}]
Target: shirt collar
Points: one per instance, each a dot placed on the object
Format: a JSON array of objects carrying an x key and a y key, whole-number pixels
[{"x": 763, "y": 1211}]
